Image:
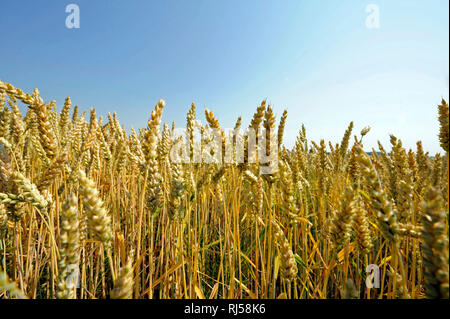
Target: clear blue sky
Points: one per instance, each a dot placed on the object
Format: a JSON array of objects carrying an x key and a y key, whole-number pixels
[{"x": 315, "y": 58}]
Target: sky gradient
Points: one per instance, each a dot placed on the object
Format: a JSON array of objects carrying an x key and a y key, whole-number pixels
[{"x": 317, "y": 59}]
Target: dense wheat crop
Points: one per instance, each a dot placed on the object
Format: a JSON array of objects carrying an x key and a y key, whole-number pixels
[{"x": 82, "y": 198}]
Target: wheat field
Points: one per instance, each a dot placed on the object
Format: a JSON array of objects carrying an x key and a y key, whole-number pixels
[{"x": 91, "y": 211}]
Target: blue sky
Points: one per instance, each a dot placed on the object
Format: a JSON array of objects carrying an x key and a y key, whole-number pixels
[{"x": 317, "y": 59}]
